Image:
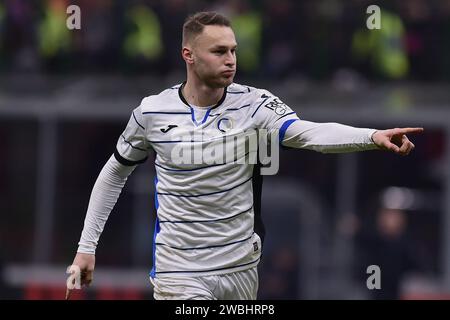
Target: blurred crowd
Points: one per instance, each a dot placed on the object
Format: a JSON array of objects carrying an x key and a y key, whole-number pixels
[{"x": 283, "y": 38}]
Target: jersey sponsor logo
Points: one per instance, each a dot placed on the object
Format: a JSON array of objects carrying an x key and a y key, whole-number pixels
[
  {"x": 169, "y": 127},
  {"x": 277, "y": 106}
]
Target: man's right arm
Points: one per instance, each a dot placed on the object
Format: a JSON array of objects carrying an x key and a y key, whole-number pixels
[
  {"x": 131, "y": 149},
  {"x": 104, "y": 196}
]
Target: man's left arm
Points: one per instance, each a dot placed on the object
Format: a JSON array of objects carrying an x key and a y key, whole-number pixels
[
  {"x": 273, "y": 114},
  {"x": 339, "y": 138}
]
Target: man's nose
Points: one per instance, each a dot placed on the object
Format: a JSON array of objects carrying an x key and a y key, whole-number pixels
[{"x": 230, "y": 60}]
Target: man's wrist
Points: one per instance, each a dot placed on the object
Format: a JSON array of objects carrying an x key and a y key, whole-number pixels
[
  {"x": 371, "y": 134},
  {"x": 87, "y": 249}
]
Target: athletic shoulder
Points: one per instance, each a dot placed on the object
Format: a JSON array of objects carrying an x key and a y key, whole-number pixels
[
  {"x": 165, "y": 101},
  {"x": 236, "y": 88},
  {"x": 250, "y": 93}
]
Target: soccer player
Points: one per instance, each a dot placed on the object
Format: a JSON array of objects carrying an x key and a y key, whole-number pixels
[{"x": 208, "y": 232}]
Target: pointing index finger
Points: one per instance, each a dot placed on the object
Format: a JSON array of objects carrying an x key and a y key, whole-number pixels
[
  {"x": 68, "y": 293},
  {"x": 410, "y": 130}
]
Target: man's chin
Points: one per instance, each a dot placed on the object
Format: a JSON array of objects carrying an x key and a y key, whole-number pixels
[
  {"x": 225, "y": 82},
  {"x": 221, "y": 82}
]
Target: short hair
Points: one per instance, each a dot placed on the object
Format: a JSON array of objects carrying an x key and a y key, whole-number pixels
[{"x": 195, "y": 23}]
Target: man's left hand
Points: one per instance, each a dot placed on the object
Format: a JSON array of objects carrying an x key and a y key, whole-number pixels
[{"x": 395, "y": 140}]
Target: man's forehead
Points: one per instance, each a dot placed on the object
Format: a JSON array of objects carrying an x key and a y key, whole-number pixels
[{"x": 217, "y": 36}]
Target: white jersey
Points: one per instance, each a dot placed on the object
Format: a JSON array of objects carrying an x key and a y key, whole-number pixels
[{"x": 208, "y": 214}]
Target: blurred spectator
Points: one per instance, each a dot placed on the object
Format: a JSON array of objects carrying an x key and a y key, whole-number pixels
[
  {"x": 19, "y": 35},
  {"x": 281, "y": 256},
  {"x": 97, "y": 45},
  {"x": 143, "y": 46},
  {"x": 388, "y": 246},
  {"x": 421, "y": 38},
  {"x": 54, "y": 39},
  {"x": 383, "y": 49},
  {"x": 322, "y": 36},
  {"x": 173, "y": 14},
  {"x": 276, "y": 38},
  {"x": 280, "y": 274},
  {"x": 281, "y": 30}
]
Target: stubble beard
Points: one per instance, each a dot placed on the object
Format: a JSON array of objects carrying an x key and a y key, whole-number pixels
[
  {"x": 218, "y": 81},
  {"x": 214, "y": 81}
]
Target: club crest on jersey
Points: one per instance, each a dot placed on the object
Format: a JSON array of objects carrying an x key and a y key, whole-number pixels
[
  {"x": 277, "y": 106},
  {"x": 224, "y": 124}
]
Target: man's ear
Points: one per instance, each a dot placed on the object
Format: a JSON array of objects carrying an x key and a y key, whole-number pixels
[{"x": 187, "y": 55}]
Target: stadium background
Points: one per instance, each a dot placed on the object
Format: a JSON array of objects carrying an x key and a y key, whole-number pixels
[{"x": 65, "y": 96}]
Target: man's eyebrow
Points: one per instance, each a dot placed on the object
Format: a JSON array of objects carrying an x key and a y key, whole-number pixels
[{"x": 224, "y": 47}]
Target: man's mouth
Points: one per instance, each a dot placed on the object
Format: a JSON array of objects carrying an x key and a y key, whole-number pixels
[{"x": 228, "y": 73}]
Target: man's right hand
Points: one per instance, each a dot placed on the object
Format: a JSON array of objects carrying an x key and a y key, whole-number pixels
[{"x": 86, "y": 263}]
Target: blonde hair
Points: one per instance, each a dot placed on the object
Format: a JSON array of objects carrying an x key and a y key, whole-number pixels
[{"x": 195, "y": 23}]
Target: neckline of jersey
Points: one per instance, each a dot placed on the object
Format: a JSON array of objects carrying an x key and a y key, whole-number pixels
[{"x": 180, "y": 94}]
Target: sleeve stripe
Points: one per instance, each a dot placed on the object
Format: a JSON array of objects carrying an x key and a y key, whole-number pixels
[
  {"x": 127, "y": 162},
  {"x": 284, "y": 127}
]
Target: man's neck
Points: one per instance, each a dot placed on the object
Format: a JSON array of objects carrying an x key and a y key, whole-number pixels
[{"x": 201, "y": 95}]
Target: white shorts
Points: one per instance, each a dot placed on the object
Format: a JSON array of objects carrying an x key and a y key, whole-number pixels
[{"x": 240, "y": 285}]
